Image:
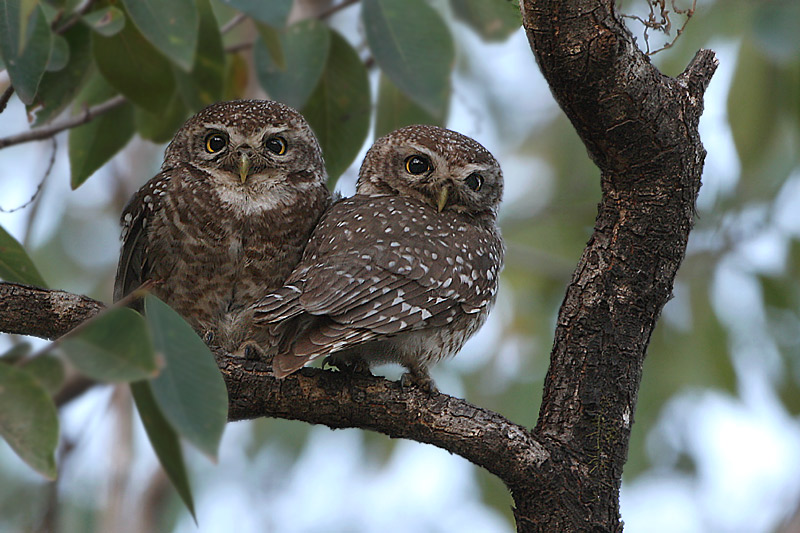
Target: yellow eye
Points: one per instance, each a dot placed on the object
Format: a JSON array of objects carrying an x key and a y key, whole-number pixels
[
  {"x": 215, "y": 142},
  {"x": 474, "y": 181},
  {"x": 276, "y": 145},
  {"x": 417, "y": 164}
]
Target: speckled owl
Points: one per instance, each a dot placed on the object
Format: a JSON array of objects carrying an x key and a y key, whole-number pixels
[
  {"x": 404, "y": 271},
  {"x": 240, "y": 190}
]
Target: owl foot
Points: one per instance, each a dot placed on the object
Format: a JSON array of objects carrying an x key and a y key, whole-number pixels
[
  {"x": 350, "y": 366},
  {"x": 417, "y": 377},
  {"x": 250, "y": 351}
]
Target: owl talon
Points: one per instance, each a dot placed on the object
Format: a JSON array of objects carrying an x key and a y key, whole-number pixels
[
  {"x": 357, "y": 366},
  {"x": 420, "y": 379},
  {"x": 250, "y": 351}
]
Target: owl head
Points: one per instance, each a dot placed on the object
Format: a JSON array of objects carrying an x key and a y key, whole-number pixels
[
  {"x": 248, "y": 143},
  {"x": 434, "y": 165}
]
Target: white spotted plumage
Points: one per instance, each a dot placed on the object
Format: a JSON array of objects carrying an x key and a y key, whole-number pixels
[{"x": 391, "y": 274}]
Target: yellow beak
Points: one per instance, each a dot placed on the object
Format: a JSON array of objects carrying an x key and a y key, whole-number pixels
[
  {"x": 244, "y": 168},
  {"x": 443, "y": 198}
]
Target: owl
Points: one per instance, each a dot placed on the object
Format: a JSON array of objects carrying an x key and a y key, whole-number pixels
[
  {"x": 227, "y": 218},
  {"x": 406, "y": 270}
]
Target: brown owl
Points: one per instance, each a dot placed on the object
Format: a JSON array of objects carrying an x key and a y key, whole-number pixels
[
  {"x": 404, "y": 271},
  {"x": 240, "y": 190}
]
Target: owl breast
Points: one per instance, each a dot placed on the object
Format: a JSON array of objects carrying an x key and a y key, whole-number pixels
[{"x": 219, "y": 250}]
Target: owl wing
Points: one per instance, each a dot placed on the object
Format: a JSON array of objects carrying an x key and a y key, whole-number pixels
[
  {"x": 369, "y": 276},
  {"x": 132, "y": 269}
]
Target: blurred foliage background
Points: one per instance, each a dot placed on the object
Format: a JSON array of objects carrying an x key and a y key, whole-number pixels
[{"x": 716, "y": 443}]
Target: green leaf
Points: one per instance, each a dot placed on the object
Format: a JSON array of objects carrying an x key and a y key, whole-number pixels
[
  {"x": 396, "y": 110},
  {"x": 135, "y": 68},
  {"x": 94, "y": 143},
  {"x": 204, "y": 84},
  {"x": 15, "y": 265},
  {"x": 47, "y": 370},
  {"x": 106, "y": 21},
  {"x": 271, "y": 40},
  {"x": 752, "y": 106},
  {"x": 57, "y": 89},
  {"x": 160, "y": 127},
  {"x": 170, "y": 25},
  {"x": 28, "y": 420},
  {"x": 114, "y": 346},
  {"x": 306, "y": 46},
  {"x": 494, "y": 20},
  {"x": 339, "y": 108},
  {"x": 16, "y": 353},
  {"x": 412, "y": 45},
  {"x": 25, "y": 64},
  {"x": 59, "y": 56},
  {"x": 236, "y": 77},
  {"x": 189, "y": 390},
  {"x": 275, "y": 12},
  {"x": 775, "y": 29},
  {"x": 164, "y": 440}
]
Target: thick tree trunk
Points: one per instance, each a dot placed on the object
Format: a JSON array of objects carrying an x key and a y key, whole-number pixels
[{"x": 640, "y": 128}]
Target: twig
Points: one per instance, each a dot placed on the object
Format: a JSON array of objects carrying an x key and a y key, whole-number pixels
[
  {"x": 37, "y": 197},
  {"x": 49, "y": 131},
  {"x": 232, "y": 49},
  {"x": 235, "y": 21},
  {"x": 38, "y": 187},
  {"x": 325, "y": 13},
  {"x": 6, "y": 96},
  {"x": 659, "y": 20},
  {"x": 74, "y": 19}
]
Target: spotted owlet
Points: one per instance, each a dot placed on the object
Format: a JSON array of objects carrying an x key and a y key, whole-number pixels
[
  {"x": 240, "y": 190},
  {"x": 404, "y": 271}
]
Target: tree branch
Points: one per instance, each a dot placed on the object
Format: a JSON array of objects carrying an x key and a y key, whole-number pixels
[
  {"x": 334, "y": 399},
  {"x": 48, "y": 131}
]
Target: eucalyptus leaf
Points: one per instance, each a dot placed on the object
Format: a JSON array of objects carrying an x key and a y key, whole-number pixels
[
  {"x": 106, "y": 21},
  {"x": 170, "y": 25},
  {"x": 494, "y": 20},
  {"x": 114, "y": 346},
  {"x": 305, "y": 47},
  {"x": 134, "y": 68},
  {"x": 25, "y": 59},
  {"x": 396, "y": 110},
  {"x": 339, "y": 108},
  {"x": 47, "y": 370},
  {"x": 204, "y": 84},
  {"x": 275, "y": 12},
  {"x": 412, "y": 45},
  {"x": 189, "y": 390},
  {"x": 28, "y": 420},
  {"x": 57, "y": 89},
  {"x": 164, "y": 441},
  {"x": 15, "y": 264},
  {"x": 91, "y": 145}
]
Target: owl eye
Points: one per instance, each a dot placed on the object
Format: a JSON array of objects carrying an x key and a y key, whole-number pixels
[
  {"x": 276, "y": 145},
  {"x": 474, "y": 181},
  {"x": 215, "y": 142},
  {"x": 417, "y": 164}
]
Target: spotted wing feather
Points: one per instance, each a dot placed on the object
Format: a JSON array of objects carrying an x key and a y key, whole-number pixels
[
  {"x": 417, "y": 272},
  {"x": 132, "y": 269}
]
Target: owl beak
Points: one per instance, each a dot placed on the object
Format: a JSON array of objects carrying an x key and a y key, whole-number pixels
[
  {"x": 442, "y": 200},
  {"x": 244, "y": 167}
]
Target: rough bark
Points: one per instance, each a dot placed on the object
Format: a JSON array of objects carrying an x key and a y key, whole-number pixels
[{"x": 640, "y": 128}]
